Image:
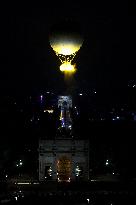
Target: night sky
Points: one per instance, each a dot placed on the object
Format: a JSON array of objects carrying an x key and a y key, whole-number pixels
[{"x": 106, "y": 59}]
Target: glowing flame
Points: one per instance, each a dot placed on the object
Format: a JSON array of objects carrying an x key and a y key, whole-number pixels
[{"x": 67, "y": 67}]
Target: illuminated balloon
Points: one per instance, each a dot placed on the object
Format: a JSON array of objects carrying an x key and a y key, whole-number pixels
[
  {"x": 65, "y": 40},
  {"x": 67, "y": 44}
]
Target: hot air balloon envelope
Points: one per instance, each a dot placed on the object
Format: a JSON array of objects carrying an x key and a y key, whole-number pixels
[
  {"x": 66, "y": 44},
  {"x": 65, "y": 38}
]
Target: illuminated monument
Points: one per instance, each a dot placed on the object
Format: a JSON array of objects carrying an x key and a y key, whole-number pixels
[
  {"x": 65, "y": 104},
  {"x": 64, "y": 158}
]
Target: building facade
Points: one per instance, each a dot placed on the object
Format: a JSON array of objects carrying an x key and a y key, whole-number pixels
[{"x": 63, "y": 160}]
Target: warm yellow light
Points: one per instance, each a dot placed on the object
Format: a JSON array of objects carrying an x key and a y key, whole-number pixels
[
  {"x": 65, "y": 48},
  {"x": 67, "y": 67},
  {"x": 49, "y": 111},
  {"x": 61, "y": 116}
]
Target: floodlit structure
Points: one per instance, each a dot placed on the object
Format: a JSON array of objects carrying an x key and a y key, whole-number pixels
[
  {"x": 63, "y": 160},
  {"x": 65, "y": 105}
]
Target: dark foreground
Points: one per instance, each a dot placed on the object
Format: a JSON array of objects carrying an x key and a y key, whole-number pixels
[{"x": 76, "y": 193}]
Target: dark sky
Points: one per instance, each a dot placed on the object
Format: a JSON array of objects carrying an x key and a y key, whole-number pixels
[{"x": 106, "y": 59}]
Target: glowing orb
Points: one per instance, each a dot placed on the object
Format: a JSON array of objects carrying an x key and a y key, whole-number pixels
[
  {"x": 66, "y": 45},
  {"x": 67, "y": 67}
]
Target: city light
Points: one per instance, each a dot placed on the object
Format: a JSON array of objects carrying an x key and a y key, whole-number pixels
[
  {"x": 21, "y": 183},
  {"x": 19, "y": 164},
  {"x": 107, "y": 162},
  {"x": 49, "y": 111},
  {"x": 50, "y": 171},
  {"x": 88, "y": 200},
  {"x": 16, "y": 198},
  {"x": 77, "y": 171}
]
